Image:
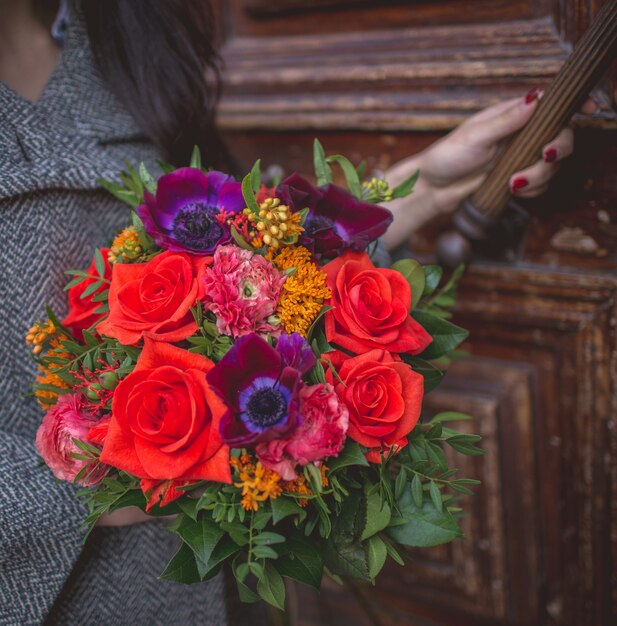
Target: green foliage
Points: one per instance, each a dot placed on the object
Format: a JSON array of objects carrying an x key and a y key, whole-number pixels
[
  {"x": 351, "y": 175},
  {"x": 424, "y": 526},
  {"x": 323, "y": 171},
  {"x": 446, "y": 335},
  {"x": 196, "y": 158},
  {"x": 414, "y": 275},
  {"x": 406, "y": 187}
]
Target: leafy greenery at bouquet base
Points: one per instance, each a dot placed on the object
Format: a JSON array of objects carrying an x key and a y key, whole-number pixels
[{"x": 345, "y": 518}]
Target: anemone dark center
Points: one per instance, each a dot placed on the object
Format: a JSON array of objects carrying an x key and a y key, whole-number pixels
[
  {"x": 196, "y": 226},
  {"x": 266, "y": 407},
  {"x": 317, "y": 223}
]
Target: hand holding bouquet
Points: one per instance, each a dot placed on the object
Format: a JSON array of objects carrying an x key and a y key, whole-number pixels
[{"x": 237, "y": 359}]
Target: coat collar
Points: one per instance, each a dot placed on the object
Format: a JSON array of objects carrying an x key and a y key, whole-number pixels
[{"x": 76, "y": 132}]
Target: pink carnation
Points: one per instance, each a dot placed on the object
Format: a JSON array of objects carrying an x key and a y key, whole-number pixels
[
  {"x": 65, "y": 421},
  {"x": 242, "y": 290},
  {"x": 320, "y": 435}
]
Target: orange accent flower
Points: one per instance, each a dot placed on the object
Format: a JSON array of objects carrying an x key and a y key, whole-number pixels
[
  {"x": 304, "y": 290},
  {"x": 258, "y": 484},
  {"x": 46, "y": 336},
  {"x": 127, "y": 245},
  {"x": 298, "y": 486}
]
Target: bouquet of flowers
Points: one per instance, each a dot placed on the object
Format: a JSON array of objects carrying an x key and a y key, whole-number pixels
[{"x": 235, "y": 358}]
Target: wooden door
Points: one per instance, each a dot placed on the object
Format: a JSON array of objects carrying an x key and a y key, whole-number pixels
[{"x": 381, "y": 80}]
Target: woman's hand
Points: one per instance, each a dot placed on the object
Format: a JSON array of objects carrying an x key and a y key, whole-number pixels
[
  {"x": 455, "y": 166},
  {"x": 124, "y": 517}
]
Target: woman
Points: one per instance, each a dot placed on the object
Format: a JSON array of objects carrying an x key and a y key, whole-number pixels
[{"x": 65, "y": 121}]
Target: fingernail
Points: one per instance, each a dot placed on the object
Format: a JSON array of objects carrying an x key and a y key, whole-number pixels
[
  {"x": 551, "y": 155},
  {"x": 533, "y": 94},
  {"x": 519, "y": 183}
]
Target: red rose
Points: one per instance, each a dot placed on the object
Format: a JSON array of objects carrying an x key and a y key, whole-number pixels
[
  {"x": 81, "y": 310},
  {"x": 154, "y": 299},
  {"x": 371, "y": 308},
  {"x": 165, "y": 420},
  {"x": 383, "y": 395}
]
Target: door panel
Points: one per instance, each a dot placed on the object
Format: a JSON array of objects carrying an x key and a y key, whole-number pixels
[{"x": 382, "y": 81}]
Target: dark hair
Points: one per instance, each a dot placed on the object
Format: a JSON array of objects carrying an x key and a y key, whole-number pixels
[{"x": 159, "y": 59}]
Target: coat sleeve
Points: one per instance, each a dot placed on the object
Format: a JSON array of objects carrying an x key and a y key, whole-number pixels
[{"x": 40, "y": 538}]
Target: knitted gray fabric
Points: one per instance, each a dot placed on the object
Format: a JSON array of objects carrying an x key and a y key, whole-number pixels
[{"x": 51, "y": 218}]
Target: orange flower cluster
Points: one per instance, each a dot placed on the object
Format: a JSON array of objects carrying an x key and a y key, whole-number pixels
[
  {"x": 126, "y": 245},
  {"x": 40, "y": 336},
  {"x": 300, "y": 486},
  {"x": 258, "y": 483},
  {"x": 304, "y": 291}
]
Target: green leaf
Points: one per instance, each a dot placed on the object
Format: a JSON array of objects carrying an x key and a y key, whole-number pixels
[
  {"x": 424, "y": 526},
  {"x": 271, "y": 587},
  {"x": 449, "y": 416},
  {"x": 378, "y": 516},
  {"x": 268, "y": 538},
  {"x": 99, "y": 263},
  {"x": 361, "y": 170},
  {"x": 436, "y": 455},
  {"x": 377, "y": 554},
  {"x": 396, "y": 557},
  {"x": 189, "y": 507},
  {"x": 351, "y": 175},
  {"x": 91, "y": 288},
  {"x": 146, "y": 178},
  {"x": 347, "y": 559},
  {"x": 414, "y": 275},
  {"x": 256, "y": 177},
  {"x": 284, "y": 507},
  {"x": 240, "y": 572},
  {"x": 323, "y": 172},
  {"x": 300, "y": 560},
  {"x": 352, "y": 454},
  {"x": 406, "y": 187},
  {"x": 182, "y": 568},
  {"x": 124, "y": 195},
  {"x": 400, "y": 482},
  {"x": 249, "y": 194},
  {"x": 433, "y": 275},
  {"x": 201, "y": 536},
  {"x": 446, "y": 336},
  {"x": 416, "y": 490},
  {"x": 265, "y": 552},
  {"x": 465, "y": 444},
  {"x": 432, "y": 374},
  {"x": 435, "y": 494},
  {"x": 195, "y": 158}
]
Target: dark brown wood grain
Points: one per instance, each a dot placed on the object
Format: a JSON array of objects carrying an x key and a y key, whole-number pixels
[{"x": 381, "y": 81}]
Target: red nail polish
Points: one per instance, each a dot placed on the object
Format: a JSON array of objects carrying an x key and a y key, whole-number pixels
[
  {"x": 550, "y": 155},
  {"x": 532, "y": 94},
  {"x": 519, "y": 183}
]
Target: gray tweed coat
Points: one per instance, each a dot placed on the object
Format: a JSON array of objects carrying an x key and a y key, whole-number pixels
[{"x": 51, "y": 217}]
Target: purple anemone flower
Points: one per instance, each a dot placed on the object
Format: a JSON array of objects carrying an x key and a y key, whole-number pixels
[
  {"x": 337, "y": 221},
  {"x": 183, "y": 215},
  {"x": 260, "y": 390},
  {"x": 296, "y": 352}
]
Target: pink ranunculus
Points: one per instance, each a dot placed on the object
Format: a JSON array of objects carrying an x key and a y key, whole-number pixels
[
  {"x": 321, "y": 434},
  {"x": 242, "y": 290},
  {"x": 65, "y": 421}
]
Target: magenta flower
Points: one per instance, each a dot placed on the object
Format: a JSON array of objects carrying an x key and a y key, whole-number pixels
[
  {"x": 242, "y": 290},
  {"x": 337, "y": 221},
  {"x": 65, "y": 421},
  {"x": 183, "y": 215},
  {"x": 259, "y": 389},
  {"x": 321, "y": 434}
]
